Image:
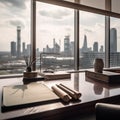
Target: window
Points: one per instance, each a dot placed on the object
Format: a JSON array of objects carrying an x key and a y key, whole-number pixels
[
  {"x": 54, "y": 34},
  {"x": 115, "y": 6},
  {"x": 114, "y": 42},
  {"x": 14, "y": 35},
  {"x": 94, "y": 3},
  {"x": 54, "y": 37},
  {"x": 92, "y": 38}
]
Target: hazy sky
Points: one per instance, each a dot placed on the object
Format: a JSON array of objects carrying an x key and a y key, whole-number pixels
[
  {"x": 13, "y": 13},
  {"x": 52, "y": 22}
]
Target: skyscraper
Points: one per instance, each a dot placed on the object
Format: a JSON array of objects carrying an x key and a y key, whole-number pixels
[
  {"x": 84, "y": 47},
  {"x": 101, "y": 48},
  {"x": 72, "y": 48},
  {"x": 95, "y": 47},
  {"x": 23, "y": 48},
  {"x": 67, "y": 45},
  {"x": 56, "y": 47},
  {"x": 28, "y": 49},
  {"x": 18, "y": 41},
  {"x": 113, "y": 40},
  {"x": 13, "y": 48}
]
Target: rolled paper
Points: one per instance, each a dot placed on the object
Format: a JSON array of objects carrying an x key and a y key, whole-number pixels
[
  {"x": 63, "y": 95},
  {"x": 78, "y": 94},
  {"x": 72, "y": 94}
]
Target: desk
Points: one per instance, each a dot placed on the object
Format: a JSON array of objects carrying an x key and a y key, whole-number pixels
[{"x": 92, "y": 92}]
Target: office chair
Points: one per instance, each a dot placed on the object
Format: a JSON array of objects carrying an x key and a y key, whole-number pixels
[{"x": 105, "y": 111}]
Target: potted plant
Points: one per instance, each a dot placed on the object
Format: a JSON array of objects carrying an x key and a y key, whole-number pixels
[{"x": 29, "y": 63}]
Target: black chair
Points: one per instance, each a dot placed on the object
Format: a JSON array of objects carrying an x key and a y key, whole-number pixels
[{"x": 105, "y": 111}]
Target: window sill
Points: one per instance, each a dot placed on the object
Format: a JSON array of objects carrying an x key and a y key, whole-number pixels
[{"x": 11, "y": 76}]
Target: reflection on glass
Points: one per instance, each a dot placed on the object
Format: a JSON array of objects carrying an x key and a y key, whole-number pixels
[
  {"x": 98, "y": 89},
  {"x": 107, "y": 92},
  {"x": 76, "y": 81}
]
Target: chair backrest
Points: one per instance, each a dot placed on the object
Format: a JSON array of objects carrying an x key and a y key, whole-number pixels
[{"x": 105, "y": 111}]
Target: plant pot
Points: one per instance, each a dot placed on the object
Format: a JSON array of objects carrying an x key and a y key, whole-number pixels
[{"x": 28, "y": 69}]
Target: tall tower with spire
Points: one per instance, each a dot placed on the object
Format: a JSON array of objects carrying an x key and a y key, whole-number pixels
[
  {"x": 18, "y": 41},
  {"x": 84, "y": 47}
]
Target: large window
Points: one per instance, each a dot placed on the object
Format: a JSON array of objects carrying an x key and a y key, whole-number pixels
[
  {"x": 54, "y": 37},
  {"x": 14, "y": 35},
  {"x": 92, "y": 38},
  {"x": 55, "y": 33}
]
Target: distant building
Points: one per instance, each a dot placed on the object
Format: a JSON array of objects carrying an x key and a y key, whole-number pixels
[
  {"x": 13, "y": 48},
  {"x": 101, "y": 48},
  {"x": 37, "y": 52},
  {"x": 18, "y": 41},
  {"x": 72, "y": 48},
  {"x": 113, "y": 40},
  {"x": 28, "y": 49},
  {"x": 67, "y": 45},
  {"x": 95, "y": 47},
  {"x": 23, "y": 48},
  {"x": 85, "y": 47},
  {"x": 56, "y": 47}
]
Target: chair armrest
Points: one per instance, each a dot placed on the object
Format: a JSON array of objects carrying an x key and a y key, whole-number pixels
[{"x": 107, "y": 111}]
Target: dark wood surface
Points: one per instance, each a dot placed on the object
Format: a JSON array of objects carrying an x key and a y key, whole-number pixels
[
  {"x": 106, "y": 76},
  {"x": 92, "y": 92}
]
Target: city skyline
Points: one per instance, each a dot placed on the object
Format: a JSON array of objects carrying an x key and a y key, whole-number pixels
[
  {"x": 47, "y": 24},
  {"x": 53, "y": 26},
  {"x": 19, "y": 49}
]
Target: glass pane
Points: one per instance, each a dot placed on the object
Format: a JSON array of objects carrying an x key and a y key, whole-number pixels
[
  {"x": 92, "y": 3},
  {"x": 14, "y": 35},
  {"x": 55, "y": 37},
  {"x": 92, "y": 38},
  {"x": 116, "y": 6},
  {"x": 114, "y": 42}
]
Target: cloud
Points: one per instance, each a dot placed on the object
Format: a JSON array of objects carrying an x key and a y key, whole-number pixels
[
  {"x": 56, "y": 14},
  {"x": 16, "y": 23},
  {"x": 44, "y": 31},
  {"x": 90, "y": 19},
  {"x": 68, "y": 29},
  {"x": 88, "y": 30},
  {"x": 14, "y": 3}
]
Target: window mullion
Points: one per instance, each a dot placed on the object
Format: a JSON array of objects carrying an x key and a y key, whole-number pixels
[
  {"x": 107, "y": 41},
  {"x": 76, "y": 36},
  {"x": 33, "y": 32}
]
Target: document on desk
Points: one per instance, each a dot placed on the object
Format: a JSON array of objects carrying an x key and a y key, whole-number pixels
[{"x": 25, "y": 95}]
